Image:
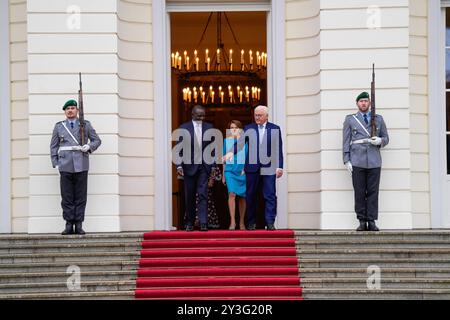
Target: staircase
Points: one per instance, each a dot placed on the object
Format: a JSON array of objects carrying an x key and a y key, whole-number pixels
[
  {"x": 36, "y": 266},
  {"x": 412, "y": 264},
  {"x": 228, "y": 265}
]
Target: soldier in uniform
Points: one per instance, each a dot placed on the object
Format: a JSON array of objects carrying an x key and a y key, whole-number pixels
[
  {"x": 361, "y": 153},
  {"x": 72, "y": 160}
]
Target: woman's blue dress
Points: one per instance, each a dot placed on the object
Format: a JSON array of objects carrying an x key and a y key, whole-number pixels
[{"x": 234, "y": 177}]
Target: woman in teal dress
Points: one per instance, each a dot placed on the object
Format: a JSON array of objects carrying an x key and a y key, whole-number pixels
[{"x": 234, "y": 176}]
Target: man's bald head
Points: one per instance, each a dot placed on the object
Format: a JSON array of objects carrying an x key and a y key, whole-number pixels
[{"x": 198, "y": 113}]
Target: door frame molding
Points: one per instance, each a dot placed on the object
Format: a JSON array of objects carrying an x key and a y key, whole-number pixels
[
  {"x": 436, "y": 103},
  {"x": 162, "y": 84},
  {"x": 5, "y": 122}
]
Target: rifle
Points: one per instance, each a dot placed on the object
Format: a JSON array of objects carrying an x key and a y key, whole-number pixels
[
  {"x": 373, "y": 124},
  {"x": 81, "y": 113}
]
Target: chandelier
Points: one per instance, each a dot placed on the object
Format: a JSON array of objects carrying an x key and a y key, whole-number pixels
[{"x": 221, "y": 77}]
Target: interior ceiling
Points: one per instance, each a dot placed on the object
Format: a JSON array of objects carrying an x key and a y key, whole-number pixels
[{"x": 249, "y": 29}]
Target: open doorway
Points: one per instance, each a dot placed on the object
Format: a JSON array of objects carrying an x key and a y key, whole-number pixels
[{"x": 218, "y": 60}]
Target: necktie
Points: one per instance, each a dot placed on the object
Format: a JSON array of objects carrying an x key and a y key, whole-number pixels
[
  {"x": 71, "y": 125},
  {"x": 365, "y": 119}
]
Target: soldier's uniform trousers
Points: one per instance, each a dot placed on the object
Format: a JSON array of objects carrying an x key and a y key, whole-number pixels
[
  {"x": 74, "y": 195},
  {"x": 366, "y": 183}
]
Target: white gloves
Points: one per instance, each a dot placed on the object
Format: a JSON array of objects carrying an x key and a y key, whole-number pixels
[
  {"x": 57, "y": 168},
  {"x": 85, "y": 148},
  {"x": 376, "y": 141},
  {"x": 349, "y": 166}
]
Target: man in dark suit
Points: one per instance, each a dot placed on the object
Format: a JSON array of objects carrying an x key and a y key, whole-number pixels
[
  {"x": 263, "y": 164},
  {"x": 194, "y": 168}
]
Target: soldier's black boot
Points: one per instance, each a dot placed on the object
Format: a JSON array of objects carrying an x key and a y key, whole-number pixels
[
  {"x": 68, "y": 229},
  {"x": 373, "y": 226},
  {"x": 362, "y": 226},
  {"x": 79, "y": 229}
]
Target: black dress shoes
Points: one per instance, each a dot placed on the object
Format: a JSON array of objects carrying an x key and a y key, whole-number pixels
[
  {"x": 373, "y": 226},
  {"x": 189, "y": 227},
  {"x": 251, "y": 227},
  {"x": 79, "y": 229},
  {"x": 203, "y": 227},
  {"x": 68, "y": 229},
  {"x": 271, "y": 227},
  {"x": 362, "y": 226}
]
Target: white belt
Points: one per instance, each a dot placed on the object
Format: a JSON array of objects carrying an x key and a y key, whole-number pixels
[
  {"x": 71, "y": 148},
  {"x": 360, "y": 141}
]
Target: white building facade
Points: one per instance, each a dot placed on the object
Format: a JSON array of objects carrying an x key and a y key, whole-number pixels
[{"x": 320, "y": 57}]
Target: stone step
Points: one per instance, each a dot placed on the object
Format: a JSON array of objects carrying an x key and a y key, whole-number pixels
[
  {"x": 350, "y": 235},
  {"x": 105, "y": 295},
  {"x": 344, "y": 272},
  {"x": 366, "y": 294},
  {"x": 364, "y": 253},
  {"x": 380, "y": 262},
  {"x": 38, "y": 277},
  {"x": 135, "y": 246},
  {"x": 85, "y": 266},
  {"x": 11, "y": 239},
  {"x": 70, "y": 247},
  {"x": 385, "y": 283},
  {"x": 372, "y": 244},
  {"x": 64, "y": 257},
  {"x": 53, "y": 287}
]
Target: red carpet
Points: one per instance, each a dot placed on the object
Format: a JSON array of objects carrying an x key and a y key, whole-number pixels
[{"x": 243, "y": 265}]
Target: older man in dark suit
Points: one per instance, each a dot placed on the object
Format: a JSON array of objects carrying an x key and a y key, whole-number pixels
[{"x": 263, "y": 165}]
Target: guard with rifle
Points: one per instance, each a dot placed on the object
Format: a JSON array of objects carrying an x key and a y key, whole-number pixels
[
  {"x": 72, "y": 141},
  {"x": 364, "y": 134}
]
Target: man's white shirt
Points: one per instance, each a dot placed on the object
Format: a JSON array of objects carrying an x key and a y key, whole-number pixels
[{"x": 198, "y": 131}]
